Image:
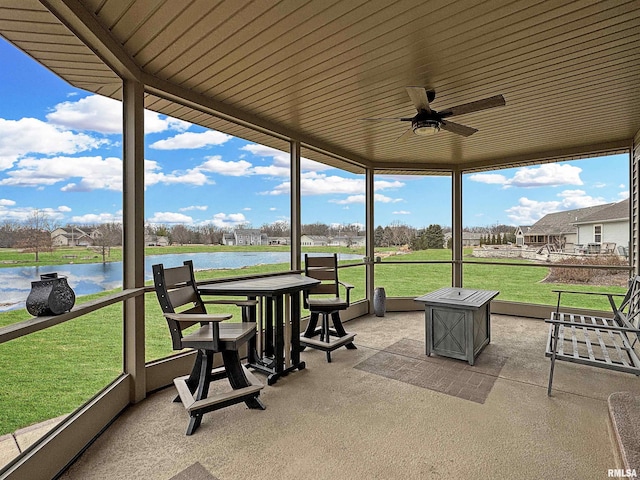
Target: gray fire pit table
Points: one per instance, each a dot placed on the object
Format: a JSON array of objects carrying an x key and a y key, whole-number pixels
[{"x": 457, "y": 321}]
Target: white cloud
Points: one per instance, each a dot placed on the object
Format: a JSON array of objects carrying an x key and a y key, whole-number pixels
[
  {"x": 170, "y": 217},
  {"x": 529, "y": 211},
  {"x": 23, "y": 214},
  {"x": 104, "y": 115},
  {"x": 378, "y": 197},
  {"x": 550, "y": 174},
  {"x": 313, "y": 183},
  {"x": 401, "y": 212},
  {"x": 97, "y": 218},
  {"x": 191, "y": 140},
  {"x": 224, "y": 220},
  {"x": 153, "y": 175},
  {"x": 489, "y": 178},
  {"x": 322, "y": 184},
  {"x": 64, "y": 208},
  {"x": 623, "y": 195},
  {"x": 194, "y": 207},
  {"x": 93, "y": 172},
  {"x": 271, "y": 171},
  {"x": 282, "y": 159},
  {"x": 547, "y": 175},
  {"x": 4, "y": 202},
  {"x": 30, "y": 135},
  {"x": 215, "y": 164}
]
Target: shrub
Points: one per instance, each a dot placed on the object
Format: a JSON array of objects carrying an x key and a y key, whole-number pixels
[{"x": 588, "y": 275}]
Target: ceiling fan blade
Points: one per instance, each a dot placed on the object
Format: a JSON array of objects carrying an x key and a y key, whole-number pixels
[
  {"x": 457, "y": 128},
  {"x": 419, "y": 98},
  {"x": 491, "y": 102},
  {"x": 405, "y": 135},
  {"x": 385, "y": 119}
]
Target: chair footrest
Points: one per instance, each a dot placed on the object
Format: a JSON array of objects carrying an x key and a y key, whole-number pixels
[
  {"x": 330, "y": 346},
  {"x": 219, "y": 400}
]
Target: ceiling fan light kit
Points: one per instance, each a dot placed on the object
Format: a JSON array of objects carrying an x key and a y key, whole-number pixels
[{"x": 426, "y": 127}]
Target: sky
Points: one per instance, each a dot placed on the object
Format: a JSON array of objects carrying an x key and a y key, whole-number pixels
[{"x": 61, "y": 153}]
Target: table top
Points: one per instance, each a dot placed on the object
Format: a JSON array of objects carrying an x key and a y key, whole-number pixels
[
  {"x": 276, "y": 285},
  {"x": 458, "y": 297}
]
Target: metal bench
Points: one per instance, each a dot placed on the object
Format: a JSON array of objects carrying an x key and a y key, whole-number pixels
[{"x": 610, "y": 343}]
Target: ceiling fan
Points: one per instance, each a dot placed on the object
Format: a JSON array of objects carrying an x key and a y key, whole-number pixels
[{"x": 429, "y": 122}]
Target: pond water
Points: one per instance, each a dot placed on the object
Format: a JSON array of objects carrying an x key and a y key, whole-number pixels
[{"x": 87, "y": 278}]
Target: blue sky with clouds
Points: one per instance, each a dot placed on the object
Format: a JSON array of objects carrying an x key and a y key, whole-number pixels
[{"x": 61, "y": 151}]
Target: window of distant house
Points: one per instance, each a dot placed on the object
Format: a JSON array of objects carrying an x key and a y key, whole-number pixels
[{"x": 597, "y": 233}]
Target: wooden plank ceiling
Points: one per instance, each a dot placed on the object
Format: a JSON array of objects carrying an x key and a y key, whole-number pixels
[{"x": 310, "y": 70}]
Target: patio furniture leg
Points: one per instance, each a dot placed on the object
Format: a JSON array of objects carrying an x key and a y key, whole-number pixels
[
  {"x": 325, "y": 334},
  {"x": 237, "y": 378},
  {"x": 192, "y": 381},
  {"x": 553, "y": 357},
  {"x": 194, "y": 423},
  {"x": 310, "y": 331},
  {"x": 337, "y": 325}
]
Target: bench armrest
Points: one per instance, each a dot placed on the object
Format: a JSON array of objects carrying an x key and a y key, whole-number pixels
[
  {"x": 590, "y": 293},
  {"x": 569, "y": 323},
  {"x": 198, "y": 317},
  {"x": 348, "y": 288},
  {"x": 609, "y": 295}
]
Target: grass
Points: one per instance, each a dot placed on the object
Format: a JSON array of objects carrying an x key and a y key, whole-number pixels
[{"x": 52, "y": 372}]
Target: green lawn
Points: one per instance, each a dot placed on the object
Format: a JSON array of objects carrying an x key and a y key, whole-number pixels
[{"x": 52, "y": 372}]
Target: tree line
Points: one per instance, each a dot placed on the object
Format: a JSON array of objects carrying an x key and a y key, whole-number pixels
[{"x": 34, "y": 234}]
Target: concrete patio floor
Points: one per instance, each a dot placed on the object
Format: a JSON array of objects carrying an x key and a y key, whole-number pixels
[{"x": 385, "y": 411}]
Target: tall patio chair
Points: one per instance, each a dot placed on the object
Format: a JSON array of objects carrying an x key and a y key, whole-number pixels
[
  {"x": 192, "y": 327},
  {"x": 324, "y": 300}
]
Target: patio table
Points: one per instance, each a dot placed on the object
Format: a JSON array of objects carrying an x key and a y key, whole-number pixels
[
  {"x": 280, "y": 353},
  {"x": 457, "y": 322}
]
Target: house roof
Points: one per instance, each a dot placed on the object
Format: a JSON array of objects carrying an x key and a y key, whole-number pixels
[
  {"x": 317, "y": 238},
  {"x": 611, "y": 213},
  {"x": 275, "y": 71},
  {"x": 564, "y": 222}
]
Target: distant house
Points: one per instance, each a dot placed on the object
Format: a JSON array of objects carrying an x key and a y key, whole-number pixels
[
  {"x": 561, "y": 230},
  {"x": 156, "y": 241},
  {"x": 520, "y": 233},
  {"x": 471, "y": 239},
  {"x": 347, "y": 241},
  {"x": 245, "y": 236},
  {"x": 70, "y": 237},
  {"x": 279, "y": 241},
  {"x": 314, "y": 241},
  {"x": 605, "y": 229}
]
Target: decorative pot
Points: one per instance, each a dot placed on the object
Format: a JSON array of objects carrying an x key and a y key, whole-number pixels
[
  {"x": 379, "y": 302},
  {"x": 51, "y": 295}
]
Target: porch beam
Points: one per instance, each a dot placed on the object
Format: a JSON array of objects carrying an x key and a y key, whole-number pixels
[{"x": 86, "y": 27}]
